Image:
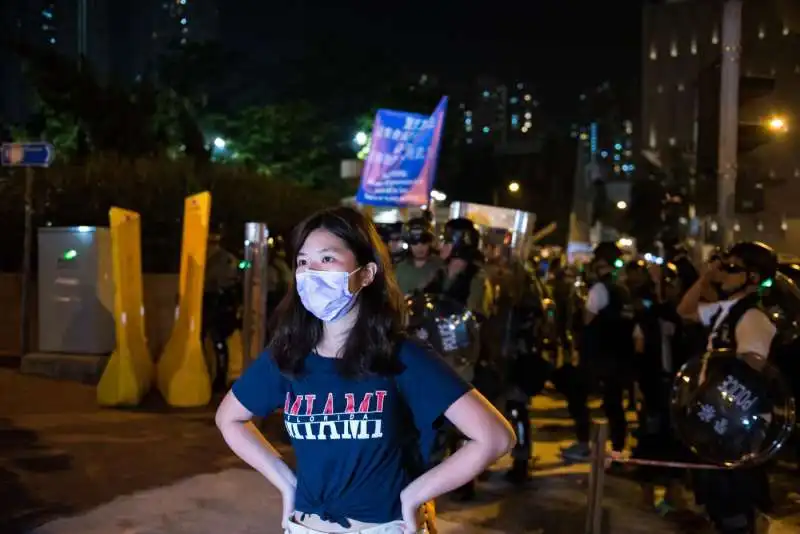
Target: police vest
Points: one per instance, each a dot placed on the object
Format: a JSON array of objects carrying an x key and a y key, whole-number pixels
[
  {"x": 459, "y": 288},
  {"x": 723, "y": 335},
  {"x": 612, "y": 329}
]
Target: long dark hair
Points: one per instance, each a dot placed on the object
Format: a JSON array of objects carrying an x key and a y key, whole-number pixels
[{"x": 371, "y": 345}]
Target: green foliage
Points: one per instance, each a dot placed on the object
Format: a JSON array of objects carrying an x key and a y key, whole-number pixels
[
  {"x": 292, "y": 140},
  {"x": 74, "y": 195}
]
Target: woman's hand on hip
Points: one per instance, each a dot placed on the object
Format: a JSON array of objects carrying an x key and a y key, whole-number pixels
[{"x": 288, "y": 508}]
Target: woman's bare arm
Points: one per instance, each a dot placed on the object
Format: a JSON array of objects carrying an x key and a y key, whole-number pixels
[
  {"x": 489, "y": 437},
  {"x": 244, "y": 439}
]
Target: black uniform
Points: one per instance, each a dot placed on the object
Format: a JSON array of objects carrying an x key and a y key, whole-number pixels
[{"x": 733, "y": 497}]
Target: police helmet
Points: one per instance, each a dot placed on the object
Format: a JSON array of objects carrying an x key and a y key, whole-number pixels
[
  {"x": 464, "y": 238},
  {"x": 419, "y": 230},
  {"x": 390, "y": 231},
  {"x": 609, "y": 252},
  {"x": 757, "y": 258}
]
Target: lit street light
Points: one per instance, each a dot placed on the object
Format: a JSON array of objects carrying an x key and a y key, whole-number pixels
[
  {"x": 621, "y": 205},
  {"x": 220, "y": 143},
  {"x": 360, "y": 139},
  {"x": 777, "y": 124},
  {"x": 513, "y": 187}
]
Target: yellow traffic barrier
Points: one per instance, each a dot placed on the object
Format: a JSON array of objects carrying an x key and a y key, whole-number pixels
[
  {"x": 235, "y": 355},
  {"x": 182, "y": 375},
  {"x": 129, "y": 373}
]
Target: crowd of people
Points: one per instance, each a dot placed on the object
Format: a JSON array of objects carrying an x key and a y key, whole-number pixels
[{"x": 339, "y": 339}]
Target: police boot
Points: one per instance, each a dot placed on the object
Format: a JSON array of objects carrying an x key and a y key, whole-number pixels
[{"x": 519, "y": 417}]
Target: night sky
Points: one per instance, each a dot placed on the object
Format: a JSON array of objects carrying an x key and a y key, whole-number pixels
[{"x": 562, "y": 46}]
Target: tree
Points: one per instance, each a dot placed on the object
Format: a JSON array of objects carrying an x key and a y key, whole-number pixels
[{"x": 291, "y": 140}]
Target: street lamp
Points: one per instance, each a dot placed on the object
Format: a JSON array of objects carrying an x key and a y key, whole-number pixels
[
  {"x": 622, "y": 205},
  {"x": 360, "y": 139},
  {"x": 777, "y": 124},
  {"x": 220, "y": 143},
  {"x": 513, "y": 187}
]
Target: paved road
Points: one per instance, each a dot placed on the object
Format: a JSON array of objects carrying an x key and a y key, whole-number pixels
[{"x": 67, "y": 466}]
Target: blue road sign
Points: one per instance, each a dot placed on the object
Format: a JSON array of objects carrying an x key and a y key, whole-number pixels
[{"x": 36, "y": 154}]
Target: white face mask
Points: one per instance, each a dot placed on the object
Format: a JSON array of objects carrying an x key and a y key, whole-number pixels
[{"x": 326, "y": 294}]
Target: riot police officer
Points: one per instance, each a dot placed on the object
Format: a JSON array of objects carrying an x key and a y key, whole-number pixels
[
  {"x": 734, "y": 498},
  {"x": 417, "y": 270},
  {"x": 221, "y": 299},
  {"x": 392, "y": 235},
  {"x": 606, "y": 353},
  {"x": 462, "y": 277},
  {"x": 518, "y": 314}
]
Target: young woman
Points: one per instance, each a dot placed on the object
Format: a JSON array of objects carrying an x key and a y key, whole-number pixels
[{"x": 353, "y": 390}]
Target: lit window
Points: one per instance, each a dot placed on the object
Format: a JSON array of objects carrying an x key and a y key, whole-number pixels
[
  {"x": 785, "y": 30},
  {"x": 486, "y": 94},
  {"x": 617, "y": 146},
  {"x": 183, "y": 20},
  {"x": 628, "y": 127},
  {"x": 514, "y": 120},
  {"x": 52, "y": 40},
  {"x": 715, "y": 36},
  {"x": 535, "y": 103},
  {"x": 660, "y": 89},
  {"x": 528, "y": 124},
  {"x": 486, "y": 129},
  {"x": 528, "y": 115},
  {"x": 468, "y": 113},
  {"x": 183, "y": 41},
  {"x": 47, "y": 14},
  {"x": 671, "y": 141},
  {"x": 513, "y": 100},
  {"x": 604, "y": 153},
  {"x": 527, "y": 98},
  {"x": 183, "y": 2},
  {"x": 680, "y": 87},
  {"x": 653, "y": 138},
  {"x": 673, "y": 49},
  {"x": 653, "y": 52},
  {"x": 617, "y": 157},
  {"x": 520, "y": 85},
  {"x": 582, "y": 97},
  {"x": 184, "y": 30},
  {"x": 761, "y": 32},
  {"x": 693, "y": 46},
  {"x": 468, "y": 120}
]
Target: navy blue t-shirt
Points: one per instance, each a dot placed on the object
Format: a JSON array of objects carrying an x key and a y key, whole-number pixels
[{"x": 348, "y": 434}]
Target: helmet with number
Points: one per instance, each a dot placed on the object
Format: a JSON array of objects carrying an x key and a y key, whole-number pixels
[
  {"x": 461, "y": 239},
  {"x": 448, "y": 326},
  {"x": 732, "y": 410},
  {"x": 609, "y": 252},
  {"x": 757, "y": 258},
  {"x": 419, "y": 231}
]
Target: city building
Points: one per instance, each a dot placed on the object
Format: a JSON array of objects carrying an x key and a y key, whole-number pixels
[
  {"x": 506, "y": 116},
  {"x": 76, "y": 29},
  {"x": 681, "y": 44}
]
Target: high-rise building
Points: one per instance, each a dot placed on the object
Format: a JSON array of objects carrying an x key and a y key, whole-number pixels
[
  {"x": 681, "y": 44},
  {"x": 509, "y": 117}
]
